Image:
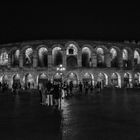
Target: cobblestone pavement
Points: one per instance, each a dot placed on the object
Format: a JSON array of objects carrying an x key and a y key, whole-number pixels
[{"x": 113, "y": 114}]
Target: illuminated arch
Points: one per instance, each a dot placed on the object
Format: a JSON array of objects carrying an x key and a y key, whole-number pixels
[
  {"x": 57, "y": 56},
  {"x": 72, "y": 77},
  {"x": 127, "y": 78},
  {"x": 15, "y": 54},
  {"x": 28, "y": 79},
  {"x": 136, "y": 57},
  {"x": 125, "y": 54},
  {"x": 28, "y": 57},
  {"x": 86, "y": 57},
  {"x": 116, "y": 79},
  {"x": 103, "y": 77},
  {"x": 3, "y": 57},
  {"x": 42, "y": 57},
  {"x": 42, "y": 78},
  {"x": 100, "y": 57},
  {"x": 88, "y": 77},
  {"x": 71, "y": 49}
]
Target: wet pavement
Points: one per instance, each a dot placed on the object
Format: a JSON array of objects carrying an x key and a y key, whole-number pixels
[{"x": 113, "y": 114}]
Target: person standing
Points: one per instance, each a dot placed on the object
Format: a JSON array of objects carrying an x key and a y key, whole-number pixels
[
  {"x": 86, "y": 88},
  {"x": 80, "y": 88}
]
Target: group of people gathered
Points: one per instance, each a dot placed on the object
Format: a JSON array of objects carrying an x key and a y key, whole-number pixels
[{"x": 52, "y": 93}]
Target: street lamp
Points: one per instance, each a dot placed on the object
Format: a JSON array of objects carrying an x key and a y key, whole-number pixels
[{"x": 60, "y": 69}]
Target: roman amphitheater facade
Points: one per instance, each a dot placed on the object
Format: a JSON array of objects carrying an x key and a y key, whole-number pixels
[{"x": 116, "y": 63}]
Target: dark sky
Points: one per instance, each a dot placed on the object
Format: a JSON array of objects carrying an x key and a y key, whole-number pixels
[{"x": 21, "y": 22}]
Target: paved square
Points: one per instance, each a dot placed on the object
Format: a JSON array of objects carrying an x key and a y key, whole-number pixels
[{"x": 113, "y": 114}]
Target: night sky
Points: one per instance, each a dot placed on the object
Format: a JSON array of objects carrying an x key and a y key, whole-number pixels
[{"x": 23, "y": 22}]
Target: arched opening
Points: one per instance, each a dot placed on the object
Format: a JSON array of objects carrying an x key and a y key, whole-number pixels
[
  {"x": 103, "y": 78},
  {"x": 136, "y": 57},
  {"x": 4, "y": 79},
  {"x": 3, "y": 58},
  {"x": 100, "y": 57},
  {"x": 116, "y": 80},
  {"x": 28, "y": 57},
  {"x": 28, "y": 81},
  {"x": 42, "y": 79},
  {"x": 126, "y": 59},
  {"x": 114, "y": 59},
  {"x": 16, "y": 80},
  {"x": 127, "y": 80},
  {"x": 57, "y": 56},
  {"x": 86, "y": 57},
  {"x": 88, "y": 78},
  {"x": 72, "y": 77},
  {"x": 57, "y": 78},
  {"x": 15, "y": 58},
  {"x": 137, "y": 80},
  {"x": 71, "y": 56},
  {"x": 43, "y": 57}
]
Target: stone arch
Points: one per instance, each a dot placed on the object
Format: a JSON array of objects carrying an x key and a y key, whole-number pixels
[
  {"x": 127, "y": 57},
  {"x": 103, "y": 77},
  {"x": 136, "y": 56},
  {"x": 57, "y": 55},
  {"x": 86, "y": 57},
  {"x": 27, "y": 53},
  {"x": 4, "y": 57},
  {"x": 127, "y": 79},
  {"x": 116, "y": 79},
  {"x": 88, "y": 77},
  {"x": 72, "y": 53},
  {"x": 101, "y": 53},
  {"x": 42, "y": 55},
  {"x": 42, "y": 78},
  {"x": 137, "y": 79},
  {"x": 72, "y": 76},
  {"x": 114, "y": 56},
  {"x": 28, "y": 81},
  {"x": 4, "y": 79},
  {"x": 15, "y": 79},
  {"x": 14, "y": 55}
]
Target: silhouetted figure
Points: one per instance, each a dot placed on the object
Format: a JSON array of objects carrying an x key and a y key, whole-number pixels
[
  {"x": 86, "y": 88},
  {"x": 71, "y": 87},
  {"x": 80, "y": 88}
]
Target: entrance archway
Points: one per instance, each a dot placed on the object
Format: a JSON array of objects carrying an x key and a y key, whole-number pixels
[
  {"x": 116, "y": 80},
  {"x": 57, "y": 78},
  {"x": 29, "y": 81},
  {"x": 137, "y": 80},
  {"x": 87, "y": 77},
  {"x": 72, "y": 77},
  {"x": 71, "y": 53},
  {"x": 127, "y": 79},
  {"x": 42, "y": 79},
  {"x": 16, "y": 79},
  {"x": 103, "y": 78}
]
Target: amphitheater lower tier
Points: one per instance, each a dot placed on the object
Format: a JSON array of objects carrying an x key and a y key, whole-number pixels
[{"x": 108, "y": 76}]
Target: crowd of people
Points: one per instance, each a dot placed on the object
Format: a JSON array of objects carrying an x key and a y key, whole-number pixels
[{"x": 51, "y": 94}]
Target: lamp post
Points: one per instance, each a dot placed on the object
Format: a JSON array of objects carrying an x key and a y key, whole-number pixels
[{"x": 60, "y": 69}]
